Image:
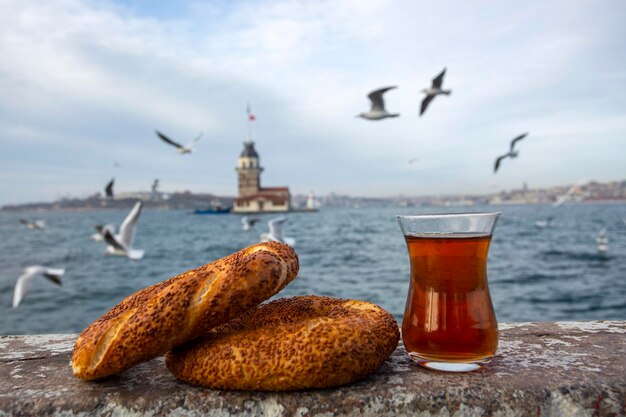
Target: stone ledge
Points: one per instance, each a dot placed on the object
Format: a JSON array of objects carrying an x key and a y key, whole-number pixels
[{"x": 547, "y": 369}]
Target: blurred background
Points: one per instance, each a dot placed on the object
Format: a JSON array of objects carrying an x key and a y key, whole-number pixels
[{"x": 84, "y": 85}]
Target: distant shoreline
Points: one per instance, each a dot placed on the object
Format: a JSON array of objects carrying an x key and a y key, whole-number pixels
[
  {"x": 18, "y": 209},
  {"x": 613, "y": 192}
]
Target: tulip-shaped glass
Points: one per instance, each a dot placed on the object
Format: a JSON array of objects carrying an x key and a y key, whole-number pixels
[{"x": 449, "y": 323}]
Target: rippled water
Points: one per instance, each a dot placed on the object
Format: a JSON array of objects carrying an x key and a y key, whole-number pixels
[{"x": 535, "y": 274}]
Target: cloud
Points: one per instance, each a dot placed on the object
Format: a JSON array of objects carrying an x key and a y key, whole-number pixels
[{"x": 85, "y": 83}]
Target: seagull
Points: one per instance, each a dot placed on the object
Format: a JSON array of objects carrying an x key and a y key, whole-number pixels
[
  {"x": 276, "y": 232},
  {"x": 248, "y": 223},
  {"x": 99, "y": 235},
  {"x": 155, "y": 186},
  {"x": 179, "y": 148},
  {"x": 412, "y": 161},
  {"x": 108, "y": 190},
  {"x": 544, "y": 223},
  {"x": 512, "y": 153},
  {"x": 378, "y": 112},
  {"x": 121, "y": 243},
  {"x": 31, "y": 272},
  {"x": 35, "y": 225},
  {"x": 563, "y": 198},
  {"x": 602, "y": 241},
  {"x": 434, "y": 90}
]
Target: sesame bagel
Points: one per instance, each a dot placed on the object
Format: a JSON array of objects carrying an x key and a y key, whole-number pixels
[
  {"x": 154, "y": 320},
  {"x": 290, "y": 344}
]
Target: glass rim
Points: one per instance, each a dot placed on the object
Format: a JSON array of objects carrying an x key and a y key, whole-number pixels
[{"x": 458, "y": 214}]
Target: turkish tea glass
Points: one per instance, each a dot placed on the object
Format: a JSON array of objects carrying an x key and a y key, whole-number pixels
[{"x": 449, "y": 323}]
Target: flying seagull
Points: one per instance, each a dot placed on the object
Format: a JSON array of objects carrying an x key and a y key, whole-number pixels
[
  {"x": 247, "y": 223},
  {"x": 100, "y": 229},
  {"x": 108, "y": 190},
  {"x": 276, "y": 232},
  {"x": 378, "y": 112},
  {"x": 564, "y": 197},
  {"x": 179, "y": 148},
  {"x": 512, "y": 152},
  {"x": 434, "y": 90},
  {"x": 121, "y": 243},
  {"x": 31, "y": 272},
  {"x": 34, "y": 225}
]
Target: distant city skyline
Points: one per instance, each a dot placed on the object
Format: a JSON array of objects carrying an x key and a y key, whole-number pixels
[
  {"x": 613, "y": 192},
  {"x": 84, "y": 85}
]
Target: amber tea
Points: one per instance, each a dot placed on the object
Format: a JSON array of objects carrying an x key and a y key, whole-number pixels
[{"x": 449, "y": 322}]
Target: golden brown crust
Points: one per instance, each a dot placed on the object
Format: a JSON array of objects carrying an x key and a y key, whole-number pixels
[
  {"x": 154, "y": 320},
  {"x": 290, "y": 344}
]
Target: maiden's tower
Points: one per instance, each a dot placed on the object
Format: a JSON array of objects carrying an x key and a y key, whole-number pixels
[{"x": 252, "y": 197}]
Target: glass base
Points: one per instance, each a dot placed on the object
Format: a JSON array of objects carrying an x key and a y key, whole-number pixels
[{"x": 448, "y": 366}]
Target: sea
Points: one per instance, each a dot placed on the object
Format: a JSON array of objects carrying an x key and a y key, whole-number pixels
[{"x": 535, "y": 273}]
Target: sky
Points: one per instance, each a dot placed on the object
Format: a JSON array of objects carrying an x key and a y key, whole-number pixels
[{"x": 85, "y": 83}]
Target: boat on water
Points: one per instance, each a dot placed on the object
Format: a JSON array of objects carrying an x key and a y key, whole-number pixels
[
  {"x": 214, "y": 208},
  {"x": 312, "y": 204}
]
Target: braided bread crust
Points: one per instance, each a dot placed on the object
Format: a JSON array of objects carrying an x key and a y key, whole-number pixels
[
  {"x": 156, "y": 319},
  {"x": 290, "y": 344}
]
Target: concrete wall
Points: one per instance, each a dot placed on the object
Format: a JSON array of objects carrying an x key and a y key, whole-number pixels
[{"x": 541, "y": 369}]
